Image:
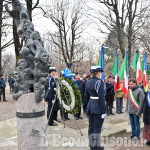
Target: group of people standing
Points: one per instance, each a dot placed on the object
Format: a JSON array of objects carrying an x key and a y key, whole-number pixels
[
  {"x": 138, "y": 103},
  {"x": 95, "y": 93},
  {"x": 93, "y": 101},
  {"x": 50, "y": 97},
  {"x": 11, "y": 82},
  {"x": 112, "y": 95}
]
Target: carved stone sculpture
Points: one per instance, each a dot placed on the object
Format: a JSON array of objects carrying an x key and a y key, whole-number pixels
[{"x": 33, "y": 66}]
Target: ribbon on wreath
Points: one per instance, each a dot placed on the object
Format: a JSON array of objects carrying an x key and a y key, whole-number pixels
[{"x": 67, "y": 74}]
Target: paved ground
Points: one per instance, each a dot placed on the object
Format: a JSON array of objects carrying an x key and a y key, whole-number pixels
[
  {"x": 114, "y": 133},
  {"x": 7, "y": 109}
]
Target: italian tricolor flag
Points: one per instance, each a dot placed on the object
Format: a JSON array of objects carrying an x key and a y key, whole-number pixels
[
  {"x": 139, "y": 72},
  {"x": 123, "y": 75},
  {"x": 115, "y": 72},
  {"x": 136, "y": 65}
]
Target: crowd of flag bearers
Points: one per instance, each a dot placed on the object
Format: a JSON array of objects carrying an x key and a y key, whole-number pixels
[{"x": 136, "y": 91}]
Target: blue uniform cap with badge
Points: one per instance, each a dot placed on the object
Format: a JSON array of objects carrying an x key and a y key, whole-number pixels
[
  {"x": 96, "y": 69},
  {"x": 52, "y": 69}
]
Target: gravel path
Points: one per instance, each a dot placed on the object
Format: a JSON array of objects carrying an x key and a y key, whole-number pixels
[{"x": 7, "y": 108}]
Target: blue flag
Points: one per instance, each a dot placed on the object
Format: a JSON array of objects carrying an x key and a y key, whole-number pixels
[{"x": 102, "y": 62}]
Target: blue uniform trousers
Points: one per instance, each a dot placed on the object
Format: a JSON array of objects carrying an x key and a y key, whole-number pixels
[
  {"x": 95, "y": 125},
  {"x": 51, "y": 120},
  {"x": 84, "y": 105}
]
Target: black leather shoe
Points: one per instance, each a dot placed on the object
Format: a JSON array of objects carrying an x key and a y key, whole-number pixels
[
  {"x": 101, "y": 148},
  {"x": 80, "y": 117},
  {"x": 108, "y": 114},
  {"x": 77, "y": 118},
  {"x": 132, "y": 136},
  {"x": 53, "y": 124},
  {"x": 63, "y": 119},
  {"x": 57, "y": 120},
  {"x": 4, "y": 100},
  {"x": 121, "y": 112},
  {"x": 112, "y": 114},
  {"x": 148, "y": 143},
  {"x": 67, "y": 118},
  {"x": 98, "y": 148}
]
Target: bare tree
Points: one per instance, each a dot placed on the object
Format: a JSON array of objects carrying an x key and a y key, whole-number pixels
[
  {"x": 125, "y": 17},
  {"x": 144, "y": 36},
  {"x": 67, "y": 18},
  {"x": 4, "y": 31},
  {"x": 137, "y": 15},
  {"x": 1, "y": 10},
  {"x": 8, "y": 63},
  {"x": 113, "y": 18}
]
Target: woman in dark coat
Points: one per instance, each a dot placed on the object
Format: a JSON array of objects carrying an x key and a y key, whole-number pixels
[{"x": 146, "y": 116}]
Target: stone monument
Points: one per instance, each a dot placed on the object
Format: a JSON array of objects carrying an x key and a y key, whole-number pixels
[{"x": 31, "y": 73}]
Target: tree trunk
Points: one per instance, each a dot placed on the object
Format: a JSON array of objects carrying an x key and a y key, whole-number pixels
[
  {"x": 121, "y": 42},
  {"x": 1, "y": 12},
  {"x": 129, "y": 43},
  {"x": 17, "y": 44},
  {"x": 29, "y": 8}
]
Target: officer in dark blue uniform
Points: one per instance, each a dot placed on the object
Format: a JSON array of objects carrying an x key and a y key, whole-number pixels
[
  {"x": 79, "y": 85},
  {"x": 96, "y": 109},
  {"x": 50, "y": 96}
]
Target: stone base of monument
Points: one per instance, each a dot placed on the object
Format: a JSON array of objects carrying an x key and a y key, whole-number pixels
[{"x": 31, "y": 126}]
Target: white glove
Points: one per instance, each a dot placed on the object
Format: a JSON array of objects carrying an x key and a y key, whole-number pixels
[{"x": 103, "y": 116}]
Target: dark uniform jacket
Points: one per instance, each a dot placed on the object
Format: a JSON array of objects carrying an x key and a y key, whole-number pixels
[
  {"x": 51, "y": 85},
  {"x": 83, "y": 89},
  {"x": 110, "y": 91},
  {"x": 95, "y": 87},
  {"x": 79, "y": 85},
  {"x": 146, "y": 111},
  {"x": 2, "y": 83}
]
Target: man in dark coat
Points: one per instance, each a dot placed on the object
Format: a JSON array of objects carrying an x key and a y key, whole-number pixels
[
  {"x": 88, "y": 77},
  {"x": 2, "y": 87},
  {"x": 109, "y": 96},
  {"x": 79, "y": 85},
  {"x": 50, "y": 90},
  {"x": 82, "y": 92},
  {"x": 11, "y": 82}
]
